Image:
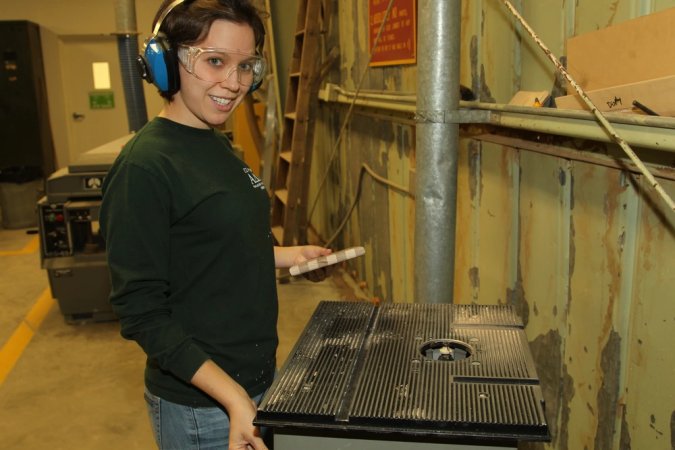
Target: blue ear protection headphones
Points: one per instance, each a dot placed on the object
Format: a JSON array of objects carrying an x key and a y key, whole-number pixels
[{"x": 158, "y": 63}]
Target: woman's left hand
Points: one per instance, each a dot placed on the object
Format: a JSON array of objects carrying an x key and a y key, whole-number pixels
[
  {"x": 289, "y": 256},
  {"x": 312, "y": 251}
]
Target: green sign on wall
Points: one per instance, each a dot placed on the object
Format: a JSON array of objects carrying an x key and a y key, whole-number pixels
[{"x": 101, "y": 100}]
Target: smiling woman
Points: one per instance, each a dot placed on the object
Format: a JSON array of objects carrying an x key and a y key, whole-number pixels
[{"x": 186, "y": 223}]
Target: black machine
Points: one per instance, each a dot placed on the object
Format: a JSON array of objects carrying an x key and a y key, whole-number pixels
[
  {"x": 71, "y": 248},
  {"x": 25, "y": 131},
  {"x": 402, "y": 376}
]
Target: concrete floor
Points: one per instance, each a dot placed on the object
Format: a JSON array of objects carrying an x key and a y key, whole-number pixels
[{"x": 81, "y": 386}]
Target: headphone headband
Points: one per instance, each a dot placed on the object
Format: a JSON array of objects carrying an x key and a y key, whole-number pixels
[{"x": 165, "y": 13}]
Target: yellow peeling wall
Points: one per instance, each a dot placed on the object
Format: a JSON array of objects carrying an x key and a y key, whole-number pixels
[{"x": 585, "y": 252}]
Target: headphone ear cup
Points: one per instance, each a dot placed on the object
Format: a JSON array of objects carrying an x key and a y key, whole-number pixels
[
  {"x": 160, "y": 65},
  {"x": 259, "y": 68},
  {"x": 254, "y": 87},
  {"x": 171, "y": 62},
  {"x": 143, "y": 69}
]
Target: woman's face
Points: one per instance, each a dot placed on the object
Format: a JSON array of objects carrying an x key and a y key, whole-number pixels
[{"x": 208, "y": 104}]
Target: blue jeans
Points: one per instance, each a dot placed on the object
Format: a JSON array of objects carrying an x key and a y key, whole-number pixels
[{"x": 180, "y": 427}]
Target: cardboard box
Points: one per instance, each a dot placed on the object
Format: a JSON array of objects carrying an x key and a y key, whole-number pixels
[
  {"x": 658, "y": 95},
  {"x": 636, "y": 50}
]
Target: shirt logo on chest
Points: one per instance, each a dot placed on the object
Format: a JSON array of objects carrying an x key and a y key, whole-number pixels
[{"x": 255, "y": 181}]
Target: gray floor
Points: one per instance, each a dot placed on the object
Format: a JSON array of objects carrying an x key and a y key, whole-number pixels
[{"x": 80, "y": 386}]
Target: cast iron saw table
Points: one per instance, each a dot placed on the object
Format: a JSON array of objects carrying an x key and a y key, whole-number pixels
[{"x": 400, "y": 376}]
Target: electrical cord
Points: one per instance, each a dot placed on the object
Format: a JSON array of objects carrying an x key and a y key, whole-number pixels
[{"x": 365, "y": 169}]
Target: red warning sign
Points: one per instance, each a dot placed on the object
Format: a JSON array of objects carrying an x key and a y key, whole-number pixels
[{"x": 398, "y": 41}]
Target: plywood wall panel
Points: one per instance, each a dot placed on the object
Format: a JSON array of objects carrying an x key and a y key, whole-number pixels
[
  {"x": 465, "y": 290},
  {"x": 537, "y": 72},
  {"x": 541, "y": 290},
  {"x": 401, "y": 214},
  {"x": 658, "y": 5},
  {"x": 545, "y": 259},
  {"x": 591, "y": 347},
  {"x": 485, "y": 227},
  {"x": 325, "y": 213},
  {"x": 488, "y": 53},
  {"x": 498, "y": 206},
  {"x": 374, "y": 224},
  {"x": 597, "y": 14},
  {"x": 649, "y": 397}
]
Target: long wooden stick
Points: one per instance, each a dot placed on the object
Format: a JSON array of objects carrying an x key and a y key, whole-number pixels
[{"x": 598, "y": 115}]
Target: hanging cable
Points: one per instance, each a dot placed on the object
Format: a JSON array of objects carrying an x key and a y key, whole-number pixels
[
  {"x": 349, "y": 114},
  {"x": 598, "y": 115},
  {"x": 365, "y": 169}
]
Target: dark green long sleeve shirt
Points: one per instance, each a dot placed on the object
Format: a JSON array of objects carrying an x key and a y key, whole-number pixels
[{"x": 191, "y": 258}]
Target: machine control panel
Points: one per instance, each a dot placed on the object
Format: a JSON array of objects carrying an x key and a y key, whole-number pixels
[
  {"x": 55, "y": 230},
  {"x": 92, "y": 183}
]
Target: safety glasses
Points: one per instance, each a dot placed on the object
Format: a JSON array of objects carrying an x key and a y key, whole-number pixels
[{"x": 217, "y": 64}]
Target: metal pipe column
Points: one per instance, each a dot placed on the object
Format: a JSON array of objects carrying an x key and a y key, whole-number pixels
[
  {"x": 127, "y": 44},
  {"x": 437, "y": 145}
]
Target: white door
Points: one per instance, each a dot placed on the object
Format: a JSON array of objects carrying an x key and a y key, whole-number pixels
[{"x": 90, "y": 126}]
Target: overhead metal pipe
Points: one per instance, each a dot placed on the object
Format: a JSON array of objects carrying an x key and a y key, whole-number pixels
[
  {"x": 437, "y": 143},
  {"x": 657, "y": 133},
  {"x": 127, "y": 44}
]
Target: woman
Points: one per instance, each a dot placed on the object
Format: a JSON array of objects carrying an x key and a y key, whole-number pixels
[{"x": 187, "y": 230}]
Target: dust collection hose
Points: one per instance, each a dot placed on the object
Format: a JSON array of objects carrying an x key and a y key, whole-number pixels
[
  {"x": 127, "y": 44},
  {"x": 137, "y": 114}
]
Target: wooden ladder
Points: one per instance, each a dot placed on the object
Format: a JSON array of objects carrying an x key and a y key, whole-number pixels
[{"x": 291, "y": 180}]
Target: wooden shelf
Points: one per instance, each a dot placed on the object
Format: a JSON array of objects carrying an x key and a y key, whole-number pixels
[
  {"x": 278, "y": 233},
  {"x": 286, "y": 156},
  {"x": 282, "y": 195}
]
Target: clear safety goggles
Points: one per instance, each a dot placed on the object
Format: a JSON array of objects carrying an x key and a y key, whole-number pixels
[{"x": 217, "y": 64}]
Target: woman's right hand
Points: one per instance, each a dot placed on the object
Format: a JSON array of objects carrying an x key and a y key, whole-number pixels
[
  {"x": 214, "y": 381},
  {"x": 243, "y": 434}
]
